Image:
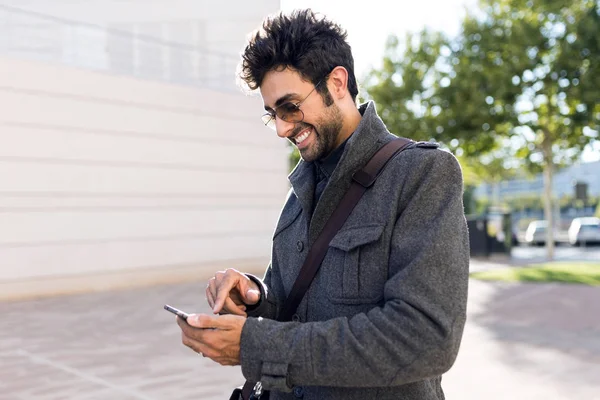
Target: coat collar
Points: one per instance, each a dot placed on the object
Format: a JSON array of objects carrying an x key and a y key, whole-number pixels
[
  {"x": 368, "y": 137},
  {"x": 328, "y": 165}
]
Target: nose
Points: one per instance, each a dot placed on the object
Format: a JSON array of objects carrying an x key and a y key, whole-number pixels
[{"x": 283, "y": 128}]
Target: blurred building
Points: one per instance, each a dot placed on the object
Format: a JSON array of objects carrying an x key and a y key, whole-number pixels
[
  {"x": 563, "y": 183},
  {"x": 127, "y": 154}
]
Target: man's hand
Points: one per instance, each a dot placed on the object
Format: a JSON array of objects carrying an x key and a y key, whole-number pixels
[
  {"x": 215, "y": 337},
  {"x": 230, "y": 291}
]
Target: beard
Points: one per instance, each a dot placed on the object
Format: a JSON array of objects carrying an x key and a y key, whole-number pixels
[{"x": 326, "y": 131}]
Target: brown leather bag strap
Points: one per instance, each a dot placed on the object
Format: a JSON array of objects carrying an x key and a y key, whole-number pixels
[{"x": 362, "y": 180}]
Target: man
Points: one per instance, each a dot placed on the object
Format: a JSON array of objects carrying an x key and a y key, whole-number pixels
[{"x": 384, "y": 316}]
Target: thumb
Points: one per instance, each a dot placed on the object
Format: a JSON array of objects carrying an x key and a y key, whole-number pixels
[
  {"x": 202, "y": 321},
  {"x": 252, "y": 296}
]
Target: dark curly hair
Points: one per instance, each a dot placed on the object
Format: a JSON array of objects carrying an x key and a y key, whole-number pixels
[{"x": 304, "y": 41}]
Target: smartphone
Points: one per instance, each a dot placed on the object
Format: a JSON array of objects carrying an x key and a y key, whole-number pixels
[{"x": 177, "y": 312}]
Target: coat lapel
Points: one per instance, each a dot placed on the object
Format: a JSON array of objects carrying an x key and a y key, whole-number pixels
[
  {"x": 302, "y": 179},
  {"x": 368, "y": 137}
]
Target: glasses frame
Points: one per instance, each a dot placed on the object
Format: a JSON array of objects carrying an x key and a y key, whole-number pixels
[{"x": 269, "y": 118}]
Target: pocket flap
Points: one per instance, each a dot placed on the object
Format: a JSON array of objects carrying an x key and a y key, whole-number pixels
[{"x": 350, "y": 238}]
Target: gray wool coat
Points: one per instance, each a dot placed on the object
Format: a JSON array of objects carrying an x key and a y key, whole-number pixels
[{"x": 384, "y": 316}]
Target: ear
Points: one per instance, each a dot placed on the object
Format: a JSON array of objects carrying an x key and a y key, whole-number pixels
[{"x": 338, "y": 82}]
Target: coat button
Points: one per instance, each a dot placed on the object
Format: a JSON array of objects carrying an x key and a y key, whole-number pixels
[
  {"x": 300, "y": 245},
  {"x": 299, "y": 391},
  {"x": 296, "y": 318}
]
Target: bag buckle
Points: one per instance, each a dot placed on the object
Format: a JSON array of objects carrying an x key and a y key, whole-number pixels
[{"x": 256, "y": 392}]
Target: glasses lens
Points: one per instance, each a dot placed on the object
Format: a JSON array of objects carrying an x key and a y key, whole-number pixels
[
  {"x": 271, "y": 124},
  {"x": 289, "y": 112},
  {"x": 268, "y": 119}
]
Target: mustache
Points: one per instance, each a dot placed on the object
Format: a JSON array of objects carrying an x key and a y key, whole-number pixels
[{"x": 299, "y": 128}]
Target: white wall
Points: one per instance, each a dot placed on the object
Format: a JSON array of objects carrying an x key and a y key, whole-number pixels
[
  {"x": 189, "y": 42},
  {"x": 100, "y": 11},
  {"x": 105, "y": 174},
  {"x": 225, "y": 24}
]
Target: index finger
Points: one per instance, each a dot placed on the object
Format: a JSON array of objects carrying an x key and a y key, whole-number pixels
[{"x": 223, "y": 289}]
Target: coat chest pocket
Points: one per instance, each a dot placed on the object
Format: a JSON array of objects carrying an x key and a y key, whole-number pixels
[{"x": 356, "y": 265}]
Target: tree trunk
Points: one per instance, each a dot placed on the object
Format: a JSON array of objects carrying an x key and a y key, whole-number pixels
[{"x": 548, "y": 208}]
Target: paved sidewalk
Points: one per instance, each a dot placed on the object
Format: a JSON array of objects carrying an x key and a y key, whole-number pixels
[
  {"x": 522, "y": 341},
  {"x": 529, "y": 342}
]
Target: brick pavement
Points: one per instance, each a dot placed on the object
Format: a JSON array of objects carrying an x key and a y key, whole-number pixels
[
  {"x": 521, "y": 342},
  {"x": 112, "y": 345}
]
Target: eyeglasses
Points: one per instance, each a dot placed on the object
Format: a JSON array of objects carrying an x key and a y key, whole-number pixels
[{"x": 288, "y": 112}]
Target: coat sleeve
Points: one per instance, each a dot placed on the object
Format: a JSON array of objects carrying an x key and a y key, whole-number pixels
[
  {"x": 267, "y": 306},
  {"x": 416, "y": 333}
]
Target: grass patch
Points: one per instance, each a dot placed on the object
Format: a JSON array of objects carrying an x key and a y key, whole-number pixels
[{"x": 586, "y": 273}]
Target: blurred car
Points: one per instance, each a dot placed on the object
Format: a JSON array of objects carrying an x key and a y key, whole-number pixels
[
  {"x": 584, "y": 230},
  {"x": 536, "y": 232}
]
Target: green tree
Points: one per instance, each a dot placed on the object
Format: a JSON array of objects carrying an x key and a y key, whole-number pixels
[
  {"x": 294, "y": 156},
  {"x": 517, "y": 89}
]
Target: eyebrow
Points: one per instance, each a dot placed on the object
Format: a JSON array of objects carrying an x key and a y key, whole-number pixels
[{"x": 283, "y": 99}]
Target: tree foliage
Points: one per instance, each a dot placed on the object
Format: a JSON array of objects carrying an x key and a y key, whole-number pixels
[
  {"x": 517, "y": 89},
  {"x": 522, "y": 73}
]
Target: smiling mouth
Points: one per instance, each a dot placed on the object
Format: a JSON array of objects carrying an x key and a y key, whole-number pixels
[{"x": 302, "y": 136}]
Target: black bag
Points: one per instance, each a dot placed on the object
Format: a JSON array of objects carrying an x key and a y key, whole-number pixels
[
  {"x": 362, "y": 180},
  {"x": 256, "y": 393}
]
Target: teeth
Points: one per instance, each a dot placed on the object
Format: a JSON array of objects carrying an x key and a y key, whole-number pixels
[{"x": 300, "y": 138}]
